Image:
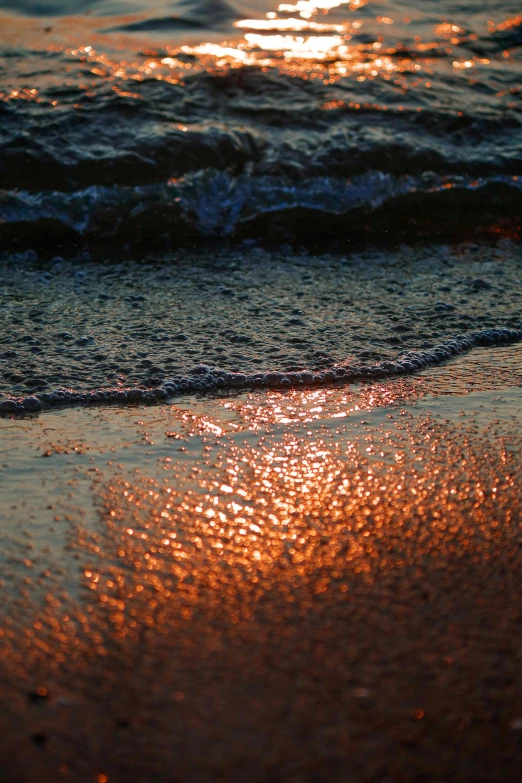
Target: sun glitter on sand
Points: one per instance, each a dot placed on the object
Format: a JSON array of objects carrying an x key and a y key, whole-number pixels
[{"x": 342, "y": 565}]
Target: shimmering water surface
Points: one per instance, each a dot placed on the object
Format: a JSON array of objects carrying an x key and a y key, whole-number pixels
[{"x": 199, "y": 118}]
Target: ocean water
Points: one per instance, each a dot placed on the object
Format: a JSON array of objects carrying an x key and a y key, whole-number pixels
[
  {"x": 252, "y": 134},
  {"x": 306, "y": 120}
]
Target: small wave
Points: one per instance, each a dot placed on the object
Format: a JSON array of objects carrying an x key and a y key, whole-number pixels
[
  {"x": 196, "y": 14},
  {"x": 49, "y": 7},
  {"x": 162, "y": 24},
  {"x": 204, "y": 378},
  {"x": 213, "y": 203}
]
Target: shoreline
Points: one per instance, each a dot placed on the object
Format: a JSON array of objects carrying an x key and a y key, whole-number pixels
[
  {"x": 261, "y": 317},
  {"x": 260, "y": 392},
  {"x": 210, "y": 379}
]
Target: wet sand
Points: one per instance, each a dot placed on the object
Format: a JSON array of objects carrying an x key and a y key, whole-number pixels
[{"x": 287, "y": 586}]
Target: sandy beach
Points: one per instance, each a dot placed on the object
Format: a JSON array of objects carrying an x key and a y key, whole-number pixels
[
  {"x": 260, "y": 391},
  {"x": 305, "y": 585}
]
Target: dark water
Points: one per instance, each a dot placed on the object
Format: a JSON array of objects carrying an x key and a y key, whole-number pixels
[{"x": 313, "y": 119}]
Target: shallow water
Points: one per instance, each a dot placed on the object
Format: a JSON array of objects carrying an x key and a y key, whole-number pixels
[
  {"x": 212, "y": 119},
  {"x": 245, "y": 318}
]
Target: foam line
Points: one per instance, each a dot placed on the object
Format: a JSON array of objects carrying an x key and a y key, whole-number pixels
[{"x": 205, "y": 378}]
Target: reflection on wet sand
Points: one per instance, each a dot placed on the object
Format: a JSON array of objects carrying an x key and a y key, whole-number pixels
[{"x": 350, "y": 576}]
